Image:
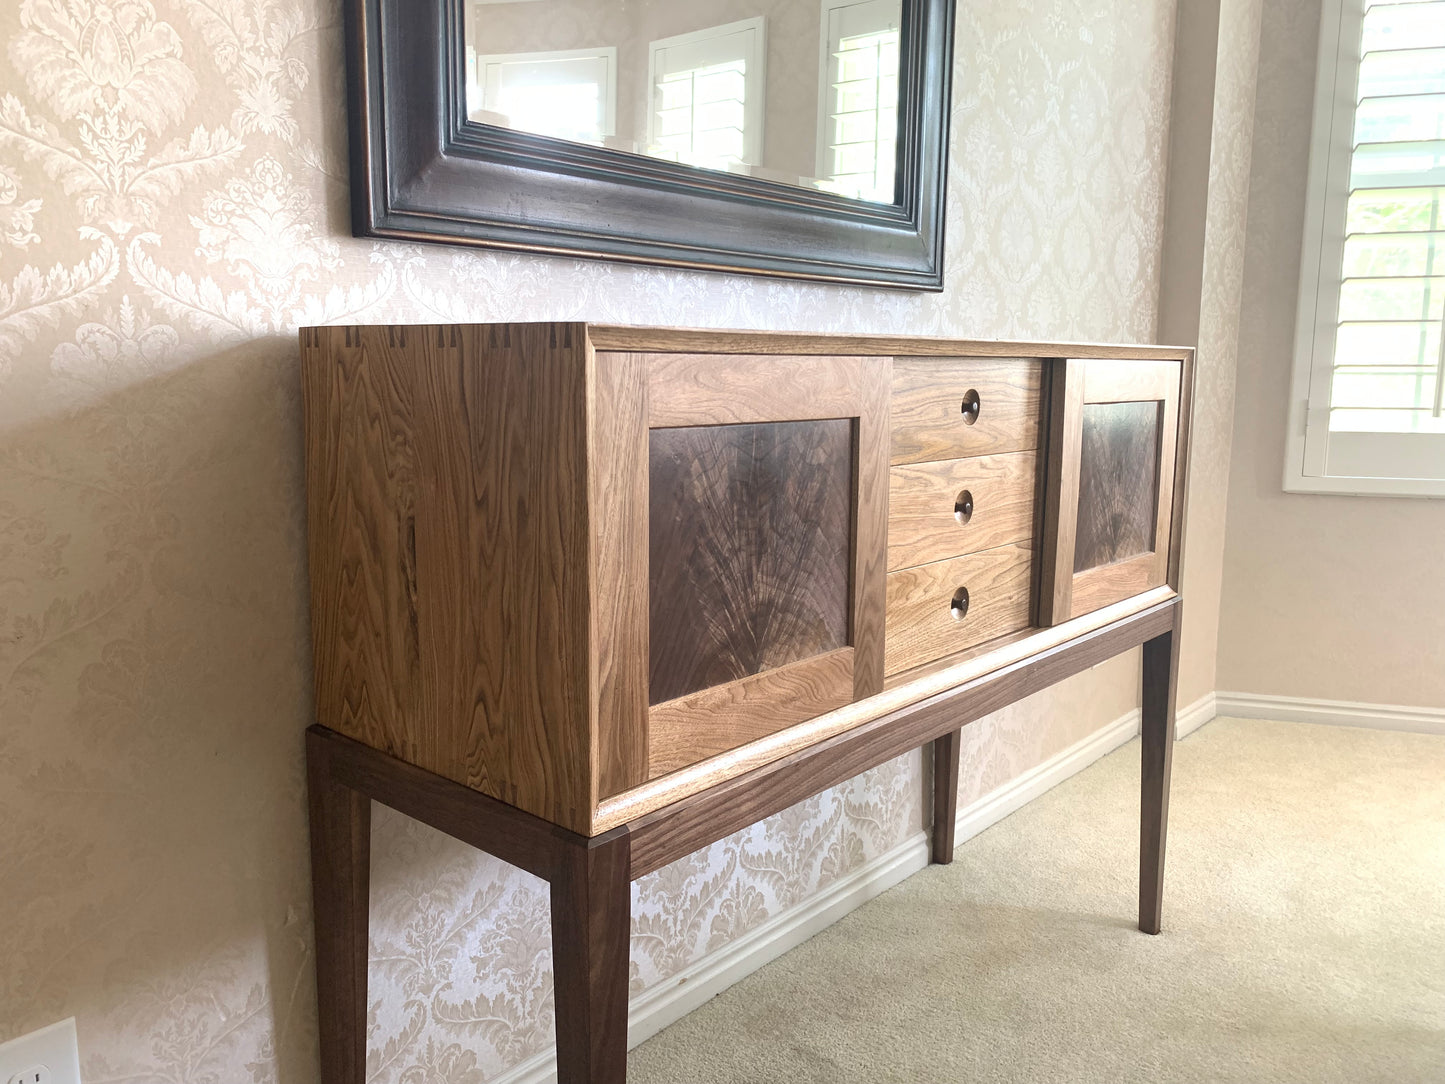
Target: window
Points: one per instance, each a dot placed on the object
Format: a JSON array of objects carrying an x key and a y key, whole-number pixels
[
  {"x": 1368, "y": 409},
  {"x": 707, "y": 96},
  {"x": 570, "y": 94},
  {"x": 858, "y": 121}
]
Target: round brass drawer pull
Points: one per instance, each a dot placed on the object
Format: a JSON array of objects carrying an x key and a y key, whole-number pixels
[
  {"x": 971, "y": 406},
  {"x": 959, "y": 606},
  {"x": 963, "y": 507}
]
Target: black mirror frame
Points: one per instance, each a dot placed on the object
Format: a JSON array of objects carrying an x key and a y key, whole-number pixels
[{"x": 420, "y": 171}]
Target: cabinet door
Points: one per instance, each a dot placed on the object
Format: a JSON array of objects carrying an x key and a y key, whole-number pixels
[
  {"x": 765, "y": 543},
  {"x": 1113, "y": 431}
]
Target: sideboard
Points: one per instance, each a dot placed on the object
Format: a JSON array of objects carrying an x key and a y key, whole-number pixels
[{"x": 590, "y": 597}]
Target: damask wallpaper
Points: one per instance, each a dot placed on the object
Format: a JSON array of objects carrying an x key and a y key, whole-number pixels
[{"x": 172, "y": 207}]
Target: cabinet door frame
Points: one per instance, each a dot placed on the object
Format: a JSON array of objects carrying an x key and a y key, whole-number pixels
[
  {"x": 1076, "y": 383},
  {"x": 688, "y": 390}
]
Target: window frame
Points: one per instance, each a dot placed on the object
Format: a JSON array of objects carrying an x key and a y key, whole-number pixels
[{"x": 1307, "y": 466}]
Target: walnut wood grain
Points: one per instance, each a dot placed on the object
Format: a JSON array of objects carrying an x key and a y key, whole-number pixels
[
  {"x": 714, "y": 720},
  {"x": 732, "y": 803},
  {"x": 750, "y": 546},
  {"x": 705, "y": 389},
  {"x": 591, "y": 914},
  {"x": 1156, "y": 727},
  {"x": 925, "y": 523},
  {"x": 617, "y": 490},
  {"x": 340, "y": 822},
  {"x": 1118, "y": 482},
  {"x": 945, "y": 796},
  {"x": 716, "y": 341},
  {"x": 1001, "y": 654},
  {"x": 921, "y": 623},
  {"x": 927, "y": 419},
  {"x": 448, "y": 510}
]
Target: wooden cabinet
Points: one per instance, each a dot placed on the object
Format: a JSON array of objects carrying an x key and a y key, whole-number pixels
[{"x": 592, "y": 597}]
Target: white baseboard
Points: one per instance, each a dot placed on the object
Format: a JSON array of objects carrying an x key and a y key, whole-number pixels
[
  {"x": 671, "y": 1000},
  {"x": 1023, "y": 789},
  {"x": 1191, "y": 717},
  {"x": 1302, "y": 709}
]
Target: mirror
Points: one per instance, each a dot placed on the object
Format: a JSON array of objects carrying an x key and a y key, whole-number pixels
[
  {"x": 800, "y": 92},
  {"x": 792, "y": 137}
]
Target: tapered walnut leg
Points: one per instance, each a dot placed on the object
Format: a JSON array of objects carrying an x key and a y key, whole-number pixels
[
  {"x": 591, "y": 925},
  {"x": 945, "y": 795},
  {"x": 340, "y": 882},
  {"x": 1161, "y": 671}
]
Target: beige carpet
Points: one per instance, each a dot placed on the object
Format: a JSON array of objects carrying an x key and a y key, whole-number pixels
[{"x": 1304, "y": 937}]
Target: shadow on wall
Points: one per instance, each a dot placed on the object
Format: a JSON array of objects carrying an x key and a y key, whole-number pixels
[{"x": 154, "y": 685}]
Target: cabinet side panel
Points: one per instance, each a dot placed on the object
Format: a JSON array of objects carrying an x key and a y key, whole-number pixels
[
  {"x": 617, "y": 484},
  {"x": 502, "y": 554},
  {"x": 361, "y": 497}
]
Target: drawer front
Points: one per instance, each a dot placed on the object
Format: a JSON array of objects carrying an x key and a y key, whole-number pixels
[
  {"x": 928, "y": 616},
  {"x": 948, "y": 408},
  {"x": 957, "y": 506}
]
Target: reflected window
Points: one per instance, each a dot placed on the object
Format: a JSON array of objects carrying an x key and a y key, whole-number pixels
[
  {"x": 707, "y": 96},
  {"x": 857, "y": 154},
  {"x": 569, "y": 94}
]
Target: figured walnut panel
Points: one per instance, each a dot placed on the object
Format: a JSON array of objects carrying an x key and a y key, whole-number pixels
[
  {"x": 714, "y": 720},
  {"x": 929, "y": 421},
  {"x": 921, "y": 622},
  {"x": 448, "y": 511},
  {"x": 1118, "y": 482},
  {"x": 750, "y": 549},
  {"x": 929, "y": 519}
]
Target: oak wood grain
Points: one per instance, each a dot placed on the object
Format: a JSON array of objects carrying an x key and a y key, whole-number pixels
[
  {"x": 1095, "y": 587},
  {"x": 1061, "y": 492},
  {"x": 921, "y": 620},
  {"x": 925, "y": 522},
  {"x": 750, "y": 547},
  {"x": 927, "y": 418},
  {"x": 448, "y": 505},
  {"x": 617, "y": 492},
  {"x": 870, "y": 528},
  {"x": 705, "y": 389},
  {"x": 1006, "y": 652},
  {"x": 716, "y": 719},
  {"x": 735, "y": 802},
  {"x": 717, "y": 341}
]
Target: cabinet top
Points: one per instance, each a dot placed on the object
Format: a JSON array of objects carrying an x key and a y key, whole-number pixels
[{"x": 624, "y": 337}]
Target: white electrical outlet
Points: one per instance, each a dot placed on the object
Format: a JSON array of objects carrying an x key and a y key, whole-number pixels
[{"x": 48, "y": 1056}]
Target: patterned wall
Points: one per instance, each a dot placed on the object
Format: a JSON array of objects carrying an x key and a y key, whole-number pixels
[{"x": 172, "y": 207}]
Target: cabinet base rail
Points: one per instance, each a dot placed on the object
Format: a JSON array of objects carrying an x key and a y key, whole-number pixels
[{"x": 590, "y": 878}]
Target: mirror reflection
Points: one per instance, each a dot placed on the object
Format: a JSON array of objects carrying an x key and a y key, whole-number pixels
[{"x": 803, "y": 92}]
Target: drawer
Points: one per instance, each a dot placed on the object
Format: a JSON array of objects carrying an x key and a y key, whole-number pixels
[
  {"x": 957, "y": 506},
  {"x": 948, "y": 408},
  {"x": 930, "y": 616}
]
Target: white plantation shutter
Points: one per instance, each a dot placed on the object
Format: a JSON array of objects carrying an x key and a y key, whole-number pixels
[
  {"x": 569, "y": 94},
  {"x": 707, "y": 96},
  {"x": 1369, "y": 412},
  {"x": 858, "y": 150}
]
